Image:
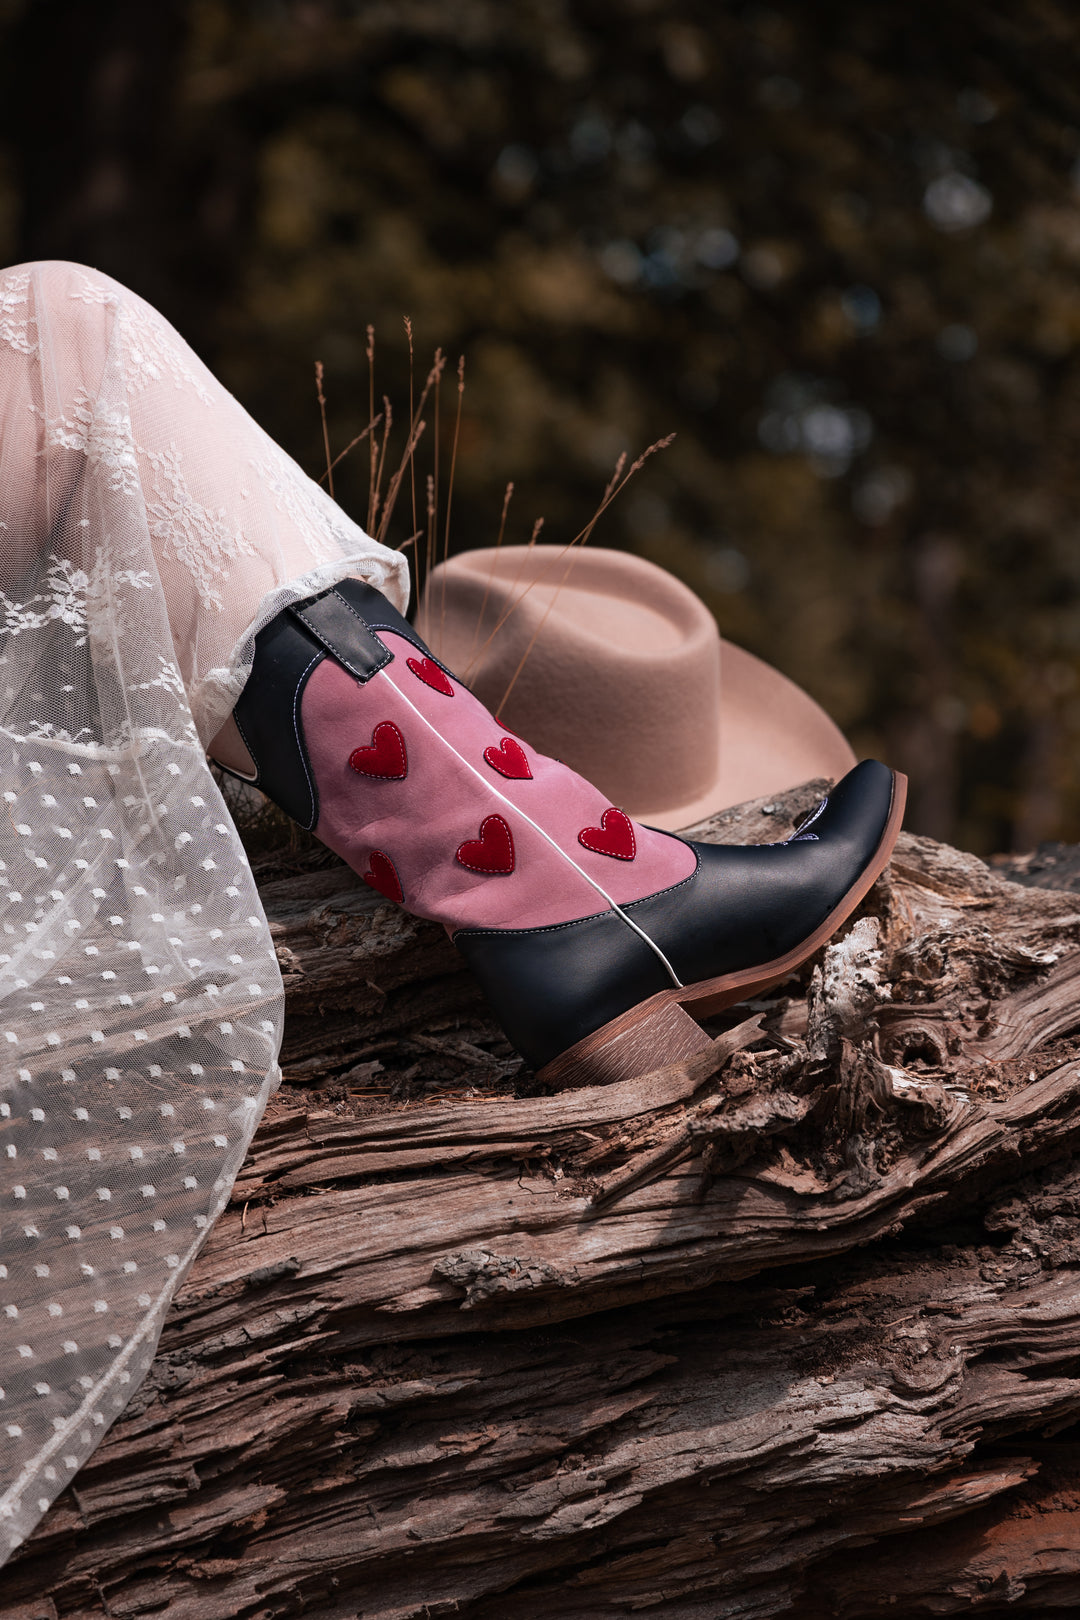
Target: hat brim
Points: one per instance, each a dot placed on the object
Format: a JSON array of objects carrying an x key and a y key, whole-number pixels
[{"x": 772, "y": 737}]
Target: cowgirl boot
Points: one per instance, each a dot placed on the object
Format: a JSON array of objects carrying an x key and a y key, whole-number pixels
[{"x": 595, "y": 939}]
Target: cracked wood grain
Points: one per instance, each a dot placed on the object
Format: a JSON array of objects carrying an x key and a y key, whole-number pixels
[{"x": 687, "y": 1345}]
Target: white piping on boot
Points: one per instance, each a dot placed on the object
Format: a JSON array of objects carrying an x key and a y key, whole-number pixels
[{"x": 516, "y": 810}]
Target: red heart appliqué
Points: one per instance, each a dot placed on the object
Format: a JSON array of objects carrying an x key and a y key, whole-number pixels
[
  {"x": 493, "y": 851},
  {"x": 428, "y": 671},
  {"x": 386, "y": 756},
  {"x": 614, "y": 836},
  {"x": 509, "y": 760},
  {"x": 383, "y": 876}
]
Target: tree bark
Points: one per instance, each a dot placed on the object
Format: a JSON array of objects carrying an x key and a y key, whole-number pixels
[{"x": 685, "y": 1345}]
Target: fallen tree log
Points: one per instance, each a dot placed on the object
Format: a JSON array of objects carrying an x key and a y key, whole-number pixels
[{"x": 681, "y": 1345}]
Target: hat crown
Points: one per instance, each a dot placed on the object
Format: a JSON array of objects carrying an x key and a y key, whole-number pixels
[
  {"x": 615, "y": 667},
  {"x": 621, "y": 678}
]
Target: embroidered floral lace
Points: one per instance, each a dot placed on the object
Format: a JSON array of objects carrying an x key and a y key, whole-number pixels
[{"x": 148, "y": 529}]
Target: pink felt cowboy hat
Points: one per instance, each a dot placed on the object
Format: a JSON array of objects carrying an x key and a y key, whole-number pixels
[{"x": 625, "y": 679}]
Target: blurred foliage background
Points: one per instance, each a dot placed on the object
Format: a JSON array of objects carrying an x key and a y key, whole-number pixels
[{"x": 835, "y": 248}]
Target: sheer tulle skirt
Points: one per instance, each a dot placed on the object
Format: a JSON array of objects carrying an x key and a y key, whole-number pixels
[{"x": 148, "y": 529}]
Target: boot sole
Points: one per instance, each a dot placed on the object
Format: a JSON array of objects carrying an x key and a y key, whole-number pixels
[{"x": 662, "y": 1030}]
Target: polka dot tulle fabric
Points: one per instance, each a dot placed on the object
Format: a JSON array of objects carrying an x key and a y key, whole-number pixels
[{"x": 148, "y": 528}]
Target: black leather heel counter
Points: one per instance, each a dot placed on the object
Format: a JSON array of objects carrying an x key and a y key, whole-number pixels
[{"x": 550, "y": 987}]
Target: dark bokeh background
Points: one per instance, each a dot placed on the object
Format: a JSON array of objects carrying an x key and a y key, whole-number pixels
[{"x": 834, "y": 247}]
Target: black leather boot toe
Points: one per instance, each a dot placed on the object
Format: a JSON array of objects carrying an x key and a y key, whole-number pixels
[{"x": 589, "y": 1002}]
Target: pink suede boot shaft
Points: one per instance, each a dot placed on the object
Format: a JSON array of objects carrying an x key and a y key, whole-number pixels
[{"x": 437, "y": 797}]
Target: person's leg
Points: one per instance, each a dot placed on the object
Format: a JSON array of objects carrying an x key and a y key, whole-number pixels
[
  {"x": 557, "y": 899},
  {"x": 542, "y": 907}
]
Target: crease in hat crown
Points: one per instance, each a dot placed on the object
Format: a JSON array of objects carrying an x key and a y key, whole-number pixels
[{"x": 623, "y": 679}]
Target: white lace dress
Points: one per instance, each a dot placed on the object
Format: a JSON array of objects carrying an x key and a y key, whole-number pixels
[{"x": 148, "y": 528}]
